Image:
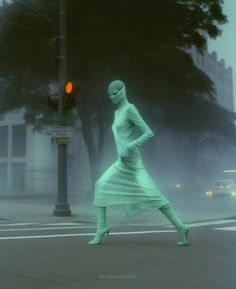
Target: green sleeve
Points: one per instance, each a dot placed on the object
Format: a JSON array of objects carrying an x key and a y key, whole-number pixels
[{"x": 135, "y": 118}]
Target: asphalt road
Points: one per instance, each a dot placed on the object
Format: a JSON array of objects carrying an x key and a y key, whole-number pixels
[{"x": 57, "y": 256}]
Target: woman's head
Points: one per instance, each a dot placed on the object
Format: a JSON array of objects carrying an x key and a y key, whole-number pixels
[{"x": 117, "y": 91}]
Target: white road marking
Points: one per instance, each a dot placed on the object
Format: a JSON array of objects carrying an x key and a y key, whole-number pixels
[
  {"x": 43, "y": 224},
  {"x": 83, "y": 234},
  {"x": 17, "y": 224},
  {"x": 142, "y": 232},
  {"x": 201, "y": 224},
  {"x": 232, "y": 228},
  {"x": 61, "y": 226},
  {"x": 43, "y": 229},
  {"x": 64, "y": 224}
]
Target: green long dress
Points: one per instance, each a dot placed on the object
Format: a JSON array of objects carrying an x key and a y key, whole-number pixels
[{"x": 126, "y": 181}]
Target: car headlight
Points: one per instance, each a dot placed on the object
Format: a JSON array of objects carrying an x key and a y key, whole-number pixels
[{"x": 209, "y": 193}]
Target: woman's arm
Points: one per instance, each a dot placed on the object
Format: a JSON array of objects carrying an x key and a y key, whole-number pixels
[{"x": 135, "y": 117}]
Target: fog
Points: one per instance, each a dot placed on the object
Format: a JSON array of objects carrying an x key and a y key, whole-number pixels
[{"x": 184, "y": 168}]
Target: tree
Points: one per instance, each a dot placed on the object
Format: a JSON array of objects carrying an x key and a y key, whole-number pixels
[{"x": 141, "y": 43}]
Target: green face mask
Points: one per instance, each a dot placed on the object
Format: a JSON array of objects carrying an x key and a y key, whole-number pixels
[
  {"x": 117, "y": 91},
  {"x": 116, "y": 96}
]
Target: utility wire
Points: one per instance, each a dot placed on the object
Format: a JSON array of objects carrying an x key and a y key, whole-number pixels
[{"x": 35, "y": 12}]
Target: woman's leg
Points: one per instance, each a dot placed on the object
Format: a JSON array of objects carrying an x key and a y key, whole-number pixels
[
  {"x": 102, "y": 227},
  {"x": 180, "y": 227}
]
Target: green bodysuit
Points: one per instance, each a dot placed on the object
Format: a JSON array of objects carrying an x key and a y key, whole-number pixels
[{"x": 126, "y": 182}]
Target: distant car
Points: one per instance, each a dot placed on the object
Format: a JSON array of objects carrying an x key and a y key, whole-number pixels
[{"x": 225, "y": 187}]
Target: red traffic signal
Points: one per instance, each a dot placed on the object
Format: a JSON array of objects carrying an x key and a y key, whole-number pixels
[
  {"x": 71, "y": 87},
  {"x": 69, "y": 98}
]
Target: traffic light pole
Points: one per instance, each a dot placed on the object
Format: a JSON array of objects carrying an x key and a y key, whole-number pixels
[
  {"x": 62, "y": 207},
  {"x": 2, "y": 15}
]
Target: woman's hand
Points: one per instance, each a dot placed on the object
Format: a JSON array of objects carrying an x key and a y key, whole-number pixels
[{"x": 130, "y": 146}]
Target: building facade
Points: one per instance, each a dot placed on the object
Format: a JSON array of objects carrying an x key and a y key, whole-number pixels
[
  {"x": 182, "y": 158},
  {"x": 217, "y": 71},
  {"x": 28, "y": 160},
  {"x": 214, "y": 154},
  {"x": 13, "y": 139}
]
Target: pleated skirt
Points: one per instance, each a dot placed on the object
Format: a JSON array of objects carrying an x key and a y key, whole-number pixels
[{"x": 127, "y": 182}]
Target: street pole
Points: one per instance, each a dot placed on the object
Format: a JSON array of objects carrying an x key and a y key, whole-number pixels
[
  {"x": 62, "y": 207},
  {"x": 2, "y": 15}
]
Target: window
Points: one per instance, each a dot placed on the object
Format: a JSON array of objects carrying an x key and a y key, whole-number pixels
[
  {"x": 3, "y": 141},
  {"x": 18, "y": 176},
  {"x": 19, "y": 141},
  {"x": 3, "y": 177}
]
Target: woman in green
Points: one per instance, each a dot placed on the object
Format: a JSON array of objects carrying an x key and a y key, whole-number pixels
[{"x": 127, "y": 182}]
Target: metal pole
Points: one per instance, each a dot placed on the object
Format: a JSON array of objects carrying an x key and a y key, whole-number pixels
[
  {"x": 62, "y": 206},
  {"x": 2, "y": 16}
]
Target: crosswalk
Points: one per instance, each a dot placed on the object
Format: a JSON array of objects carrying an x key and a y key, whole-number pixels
[
  {"x": 26, "y": 230},
  {"x": 21, "y": 230}
]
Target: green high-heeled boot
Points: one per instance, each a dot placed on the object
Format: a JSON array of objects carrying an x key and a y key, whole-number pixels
[
  {"x": 180, "y": 227},
  {"x": 183, "y": 236},
  {"x": 102, "y": 227}
]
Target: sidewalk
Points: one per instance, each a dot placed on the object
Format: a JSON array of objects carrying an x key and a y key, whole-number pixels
[{"x": 39, "y": 209}]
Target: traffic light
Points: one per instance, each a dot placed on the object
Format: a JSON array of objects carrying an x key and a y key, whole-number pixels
[
  {"x": 69, "y": 100},
  {"x": 53, "y": 103}
]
